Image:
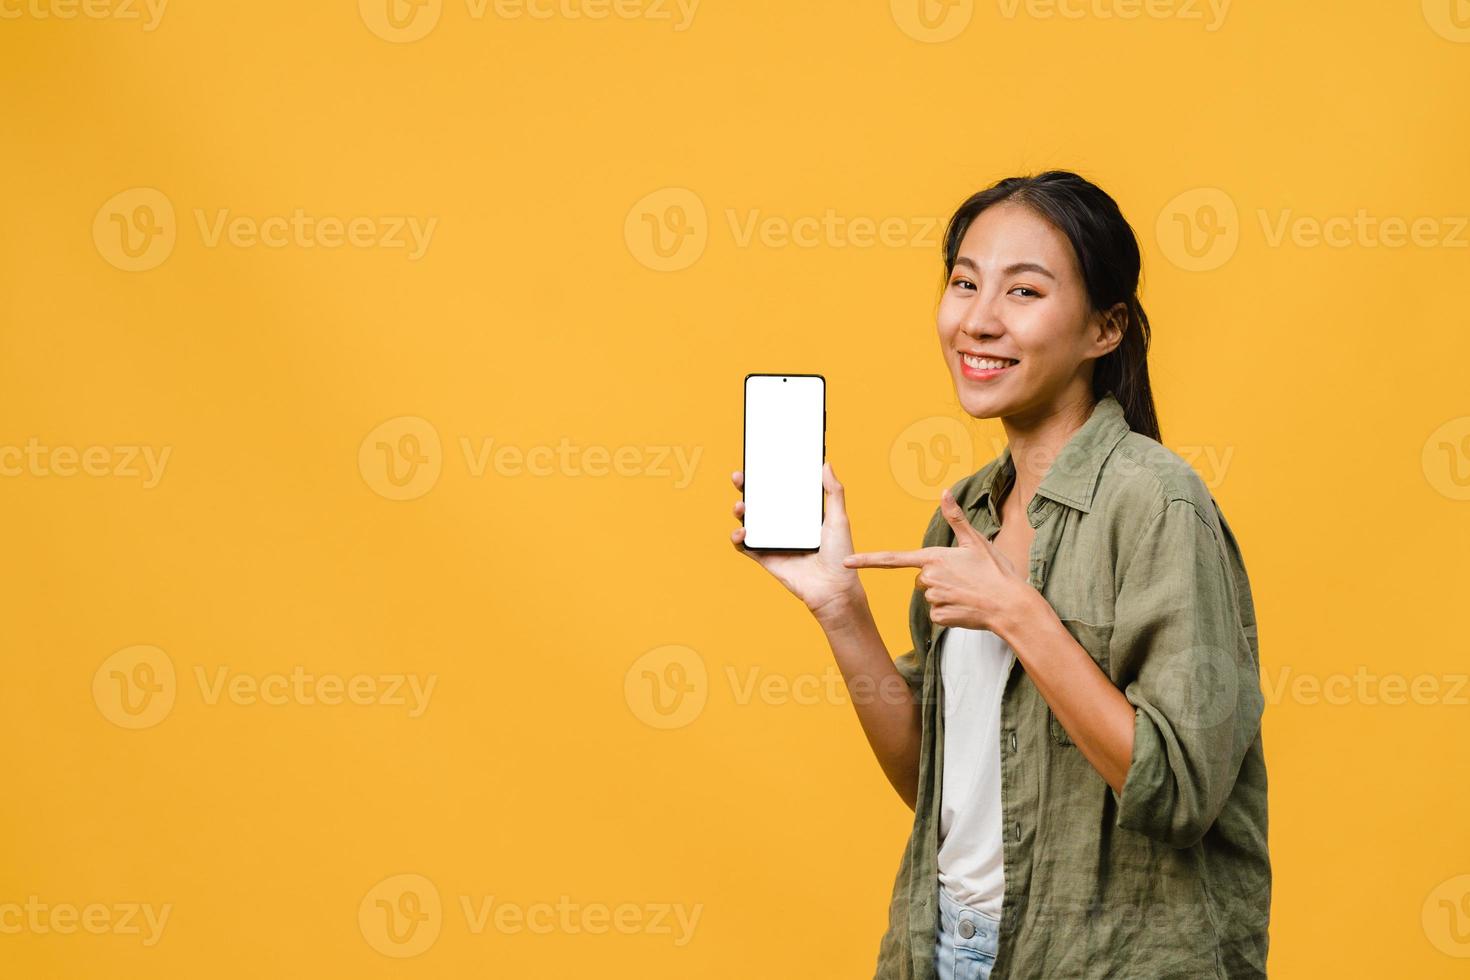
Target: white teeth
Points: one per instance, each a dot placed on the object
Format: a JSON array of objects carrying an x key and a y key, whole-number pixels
[{"x": 985, "y": 363}]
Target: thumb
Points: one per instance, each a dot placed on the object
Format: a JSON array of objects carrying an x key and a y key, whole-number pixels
[
  {"x": 836, "y": 496},
  {"x": 965, "y": 534}
]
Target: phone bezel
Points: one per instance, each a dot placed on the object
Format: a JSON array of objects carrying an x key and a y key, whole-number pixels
[{"x": 744, "y": 411}]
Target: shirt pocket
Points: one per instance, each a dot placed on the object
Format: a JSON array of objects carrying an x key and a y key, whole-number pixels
[{"x": 1094, "y": 639}]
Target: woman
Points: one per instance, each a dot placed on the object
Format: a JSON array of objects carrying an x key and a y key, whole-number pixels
[{"x": 1077, "y": 725}]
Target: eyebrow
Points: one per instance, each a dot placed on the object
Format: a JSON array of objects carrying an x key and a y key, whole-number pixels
[{"x": 1011, "y": 270}]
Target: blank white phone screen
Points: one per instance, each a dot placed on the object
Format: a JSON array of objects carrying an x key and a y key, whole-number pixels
[{"x": 784, "y": 435}]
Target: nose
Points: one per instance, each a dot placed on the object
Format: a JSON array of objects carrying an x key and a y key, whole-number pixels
[{"x": 982, "y": 318}]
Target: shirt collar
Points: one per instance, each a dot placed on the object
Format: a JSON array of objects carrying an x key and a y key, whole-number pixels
[{"x": 1072, "y": 478}]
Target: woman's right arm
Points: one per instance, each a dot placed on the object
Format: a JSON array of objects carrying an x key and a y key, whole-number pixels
[{"x": 885, "y": 704}]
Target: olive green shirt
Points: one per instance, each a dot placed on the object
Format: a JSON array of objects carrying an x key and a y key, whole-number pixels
[{"x": 1171, "y": 878}]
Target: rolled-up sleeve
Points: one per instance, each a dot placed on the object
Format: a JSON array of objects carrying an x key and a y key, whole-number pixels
[{"x": 1185, "y": 663}]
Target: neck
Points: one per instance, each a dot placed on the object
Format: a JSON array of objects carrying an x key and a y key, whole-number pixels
[{"x": 1038, "y": 435}]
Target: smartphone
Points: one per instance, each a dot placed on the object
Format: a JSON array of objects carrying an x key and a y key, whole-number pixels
[{"x": 785, "y": 448}]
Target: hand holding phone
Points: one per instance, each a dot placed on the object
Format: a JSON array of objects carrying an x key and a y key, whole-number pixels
[{"x": 814, "y": 575}]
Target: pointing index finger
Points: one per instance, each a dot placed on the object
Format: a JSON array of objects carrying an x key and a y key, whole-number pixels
[{"x": 887, "y": 559}]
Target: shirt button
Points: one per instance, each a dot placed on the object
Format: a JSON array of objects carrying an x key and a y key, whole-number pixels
[
  {"x": 1018, "y": 830},
  {"x": 967, "y": 928},
  {"x": 1013, "y": 741}
]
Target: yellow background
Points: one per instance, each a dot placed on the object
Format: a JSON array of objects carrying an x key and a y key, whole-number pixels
[{"x": 1320, "y": 389}]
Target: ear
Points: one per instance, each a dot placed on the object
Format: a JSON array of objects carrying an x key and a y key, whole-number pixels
[{"x": 1111, "y": 324}]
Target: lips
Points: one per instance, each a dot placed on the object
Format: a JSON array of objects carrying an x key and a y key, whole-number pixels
[
  {"x": 977, "y": 361},
  {"x": 971, "y": 367}
]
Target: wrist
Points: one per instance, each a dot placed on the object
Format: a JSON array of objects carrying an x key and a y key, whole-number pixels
[
  {"x": 842, "y": 609},
  {"x": 1027, "y": 611}
]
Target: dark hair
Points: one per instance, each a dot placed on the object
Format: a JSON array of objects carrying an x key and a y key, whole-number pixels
[{"x": 1107, "y": 251}]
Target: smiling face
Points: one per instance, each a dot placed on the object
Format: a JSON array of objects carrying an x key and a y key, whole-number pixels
[{"x": 1016, "y": 293}]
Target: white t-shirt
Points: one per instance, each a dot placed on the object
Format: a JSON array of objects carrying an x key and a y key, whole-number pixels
[{"x": 973, "y": 666}]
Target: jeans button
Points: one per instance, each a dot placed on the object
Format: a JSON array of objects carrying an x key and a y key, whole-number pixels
[{"x": 967, "y": 928}]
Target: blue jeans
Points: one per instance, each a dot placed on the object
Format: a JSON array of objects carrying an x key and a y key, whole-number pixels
[{"x": 966, "y": 942}]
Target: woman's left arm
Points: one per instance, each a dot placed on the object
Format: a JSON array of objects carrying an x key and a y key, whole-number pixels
[
  {"x": 1096, "y": 715},
  {"x": 974, "y": 585},
  {"x": 1170, "y": 742}
]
